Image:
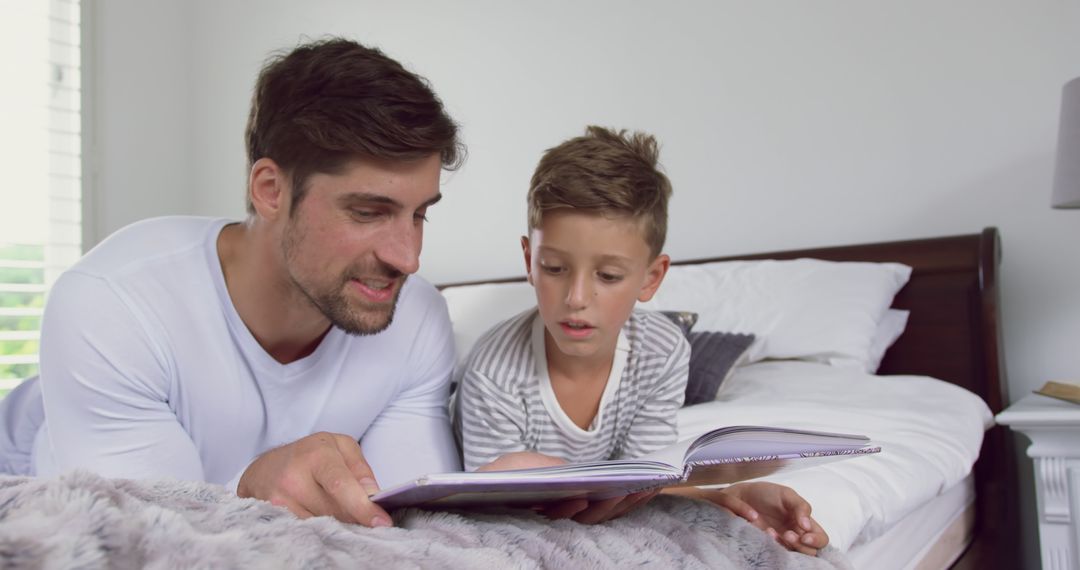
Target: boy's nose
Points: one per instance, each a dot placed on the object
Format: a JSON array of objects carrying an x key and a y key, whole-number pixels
[{"x": 580, "y": 292}]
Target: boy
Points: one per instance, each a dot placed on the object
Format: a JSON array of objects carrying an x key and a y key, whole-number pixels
[{"x": 584, "y": 376}]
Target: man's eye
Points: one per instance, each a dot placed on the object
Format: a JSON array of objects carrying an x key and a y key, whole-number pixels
[
  {"x": 420, "y": 217},
  {"x": 366, "y": 215}
]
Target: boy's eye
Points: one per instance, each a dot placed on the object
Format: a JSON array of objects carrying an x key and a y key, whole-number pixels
[
  {"x": 551, "y": 269},
  {"x": 420, "y": 217},
  {"x": 609, "y": 277}
]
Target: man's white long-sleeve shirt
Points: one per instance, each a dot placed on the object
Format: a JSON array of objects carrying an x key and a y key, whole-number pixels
[{"x": 147, "y": 370}]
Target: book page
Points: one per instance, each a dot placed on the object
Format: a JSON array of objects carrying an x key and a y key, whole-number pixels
[
  {"x": 673, "y": 455},
  {"x": 629, "y": 467},
  {"x": 736, "y": 470},
  {"x": 752, "y": 441},
  {"x": 743, "y": 442}
]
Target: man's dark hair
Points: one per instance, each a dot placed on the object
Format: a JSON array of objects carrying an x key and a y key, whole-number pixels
[{"x": 327, "y": 102}]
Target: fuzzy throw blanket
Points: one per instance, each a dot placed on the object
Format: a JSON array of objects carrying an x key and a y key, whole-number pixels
[{"x": 84, "y": 521}]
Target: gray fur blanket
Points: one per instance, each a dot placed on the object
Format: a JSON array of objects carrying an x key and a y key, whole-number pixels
[{"x": 85, "y": 521}]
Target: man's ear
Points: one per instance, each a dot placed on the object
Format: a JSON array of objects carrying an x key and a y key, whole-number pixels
[
  {"x": 654, "y": 276},
  {"x": 268, "y": 188},
  {"x": 527, "y": 251}
]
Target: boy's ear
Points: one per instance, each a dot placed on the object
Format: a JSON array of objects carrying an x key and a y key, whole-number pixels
[
  {"x": 654, "y": 276},
  {"x": 268, "y": 188},
  {"x": 525, "y": 249}
]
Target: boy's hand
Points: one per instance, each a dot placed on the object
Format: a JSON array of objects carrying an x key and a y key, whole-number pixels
[
  {"x": 776, "y": 509},
  {"x": 521, "y": 460},
  {"x": 321, "y": 474},
  {"x": 593, "y": 512},
  {"x": 581, "y": 510}
]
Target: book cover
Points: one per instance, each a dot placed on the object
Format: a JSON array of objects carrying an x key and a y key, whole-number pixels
[
  {"x": 1061, "y": 391},
  {"x": 721, "y": 456}
]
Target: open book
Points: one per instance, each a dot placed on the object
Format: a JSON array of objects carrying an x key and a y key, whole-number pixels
[{"x": 723, "y": 455}]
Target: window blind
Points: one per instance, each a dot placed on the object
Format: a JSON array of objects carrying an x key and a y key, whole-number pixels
[
  {"x": 64, "y": 245},
  {"x": 42, "y": 233}
]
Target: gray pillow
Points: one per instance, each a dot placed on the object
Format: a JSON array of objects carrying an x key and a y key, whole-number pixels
[
  {"x": 684, "y": 319},
  {"x": 712, "y": 355}
]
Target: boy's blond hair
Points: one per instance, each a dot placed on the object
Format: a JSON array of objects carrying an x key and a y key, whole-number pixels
[{"x": 608, "y": 172}]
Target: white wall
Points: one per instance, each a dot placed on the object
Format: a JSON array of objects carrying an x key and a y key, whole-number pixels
[
  {"x": 785, "y": 124},
  {"x": 137, "y": 111}
]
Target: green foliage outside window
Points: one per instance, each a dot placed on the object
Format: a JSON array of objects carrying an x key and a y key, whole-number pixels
[{"x": 13, "y": 275}]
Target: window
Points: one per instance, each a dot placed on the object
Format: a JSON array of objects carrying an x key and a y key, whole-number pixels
[{"x": 41, "y": 166}]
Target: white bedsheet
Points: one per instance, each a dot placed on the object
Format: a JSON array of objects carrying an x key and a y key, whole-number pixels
[{"x": 930, "y": 433}]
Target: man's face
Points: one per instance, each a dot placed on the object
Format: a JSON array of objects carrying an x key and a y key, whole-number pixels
[{"x": 355, "y": 236}]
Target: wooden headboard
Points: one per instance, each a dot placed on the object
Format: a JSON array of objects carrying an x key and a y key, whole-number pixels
[{"x": 953, "y": 331}]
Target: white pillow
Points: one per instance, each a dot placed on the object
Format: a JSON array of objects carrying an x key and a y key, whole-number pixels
[
  {"x": 890, "y": 328},
  {"x": 476, "y": 308},
  {"x": 807, "y": 309}
]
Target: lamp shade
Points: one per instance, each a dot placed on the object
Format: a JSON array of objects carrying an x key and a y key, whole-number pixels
[{"x": 1067, "y": 172}]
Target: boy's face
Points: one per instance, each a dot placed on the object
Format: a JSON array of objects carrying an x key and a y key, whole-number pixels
[{"x": 588, "y": 270}]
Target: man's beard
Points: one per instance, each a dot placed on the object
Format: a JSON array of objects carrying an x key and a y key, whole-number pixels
[
  {"x": 355, "y": 318},
  {"x": 335, "y": 306}
]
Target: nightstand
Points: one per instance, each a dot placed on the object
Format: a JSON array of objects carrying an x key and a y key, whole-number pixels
[{"x": 1054, "y": 429}]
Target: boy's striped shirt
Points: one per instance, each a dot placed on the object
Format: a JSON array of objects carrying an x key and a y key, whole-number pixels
[{"x": 505, "y": 402}]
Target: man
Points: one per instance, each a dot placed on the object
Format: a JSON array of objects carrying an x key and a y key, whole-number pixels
[
  {"x": 286, "y": 356},
  {"x": 258, "y": 354}
]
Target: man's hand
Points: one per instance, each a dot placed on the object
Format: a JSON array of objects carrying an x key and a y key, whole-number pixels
[
  {"x": 581, "y": 510},
  {"x": 776, "y": 509},
  {"x": 321, "y": 474}
]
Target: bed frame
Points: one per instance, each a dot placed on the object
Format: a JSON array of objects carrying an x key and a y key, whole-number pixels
[{"x": 953, "y": 334}]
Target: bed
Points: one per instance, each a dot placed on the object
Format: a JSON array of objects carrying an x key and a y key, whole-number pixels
[
  {"x": 953, "y": 334},
  {"x": 961, "y": 515},
  {"x": 965, "y": 518}
]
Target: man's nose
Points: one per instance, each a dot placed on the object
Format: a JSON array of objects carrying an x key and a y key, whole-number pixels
[{"x": 400, "y": 247}]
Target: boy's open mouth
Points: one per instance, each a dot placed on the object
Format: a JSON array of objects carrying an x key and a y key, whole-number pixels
[{"x": 576, "y": 329}]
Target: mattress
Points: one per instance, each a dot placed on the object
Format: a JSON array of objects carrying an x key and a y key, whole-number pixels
[
  {"x": 932, "y": 536},
  {"x": 930, "y": 433}
]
